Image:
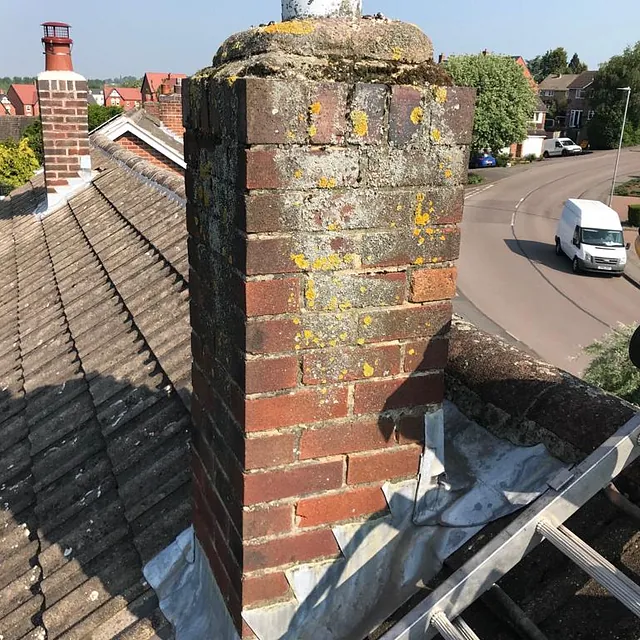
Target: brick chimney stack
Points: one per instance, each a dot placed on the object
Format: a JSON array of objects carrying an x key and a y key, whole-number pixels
[
  {"x": 170, "y": 105},
  {"x": 62, "y": 95},
  {"x": 323, "y": 215}
]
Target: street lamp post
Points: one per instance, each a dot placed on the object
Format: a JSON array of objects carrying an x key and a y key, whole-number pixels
[{"x": 624, "y": 121}]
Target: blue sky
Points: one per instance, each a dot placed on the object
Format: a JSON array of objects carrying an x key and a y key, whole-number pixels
[{"x": 129, "y": 37}]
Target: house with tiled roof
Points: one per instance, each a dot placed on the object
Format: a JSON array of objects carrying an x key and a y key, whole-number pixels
[
  {"x": 125, "y": 97},
  {"x": 579, "y": 111},
  {"x": 24, "y": 99},
  {"x": 153, "y": 81},
  {"x": 6, "y": 108},
  {"x": 111, "y": 445}
]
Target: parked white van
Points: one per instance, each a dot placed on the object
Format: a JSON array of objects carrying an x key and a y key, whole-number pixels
[
  {"x": 560, "y": 147},
  {"x": 590, "y": 234}
]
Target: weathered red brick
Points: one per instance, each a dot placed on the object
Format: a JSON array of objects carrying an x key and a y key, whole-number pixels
[
  {"x": 269, "y": 587},
  {"x": 455, "y": 114},
  {"x": 272, "y": 374},
  {"x": 271, "y": 336},
  {"x": 268, "y": 521},
  {"x": 346, "y": 505},
  {"x": 367, "y": 114},
  {"x": 296, "y": 480},
  {"x": 275, "y": 111},
  {"x": 338, "y": 365},
  {"x": 428, "y": 285},
  {"x": 310, "y": 545},
  {"x": 328, "y": 106},
  {"x": 350, "y": 437},
  {"x": 399, "y": 248},
  {"x": 383, "y": 465},
  {"x": 397, "y": 393},
  {"x": 271, "y": 297},
  {"x": 425, "y": 355},
  {"x": 297, "y": 407},
  {"x": 269, "y": 451},
  {"x": 407, "y": 115},
  {"x": 405, "y": 322},
  {"x": 301, "y": 168}
]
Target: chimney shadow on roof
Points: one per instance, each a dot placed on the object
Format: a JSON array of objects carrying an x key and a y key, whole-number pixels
[{"x": 94, "y": 481}]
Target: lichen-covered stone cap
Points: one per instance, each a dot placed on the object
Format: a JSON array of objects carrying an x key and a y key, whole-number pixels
[{"x": 372, "y": 39}]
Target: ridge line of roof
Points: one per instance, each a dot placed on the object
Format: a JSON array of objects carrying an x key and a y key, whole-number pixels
[{"x": 169, "y": 181}]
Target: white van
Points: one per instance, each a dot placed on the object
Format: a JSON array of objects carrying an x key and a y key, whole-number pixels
[
  {"x": 560, "y": 147},
  {"x": 590, "y": 234}
]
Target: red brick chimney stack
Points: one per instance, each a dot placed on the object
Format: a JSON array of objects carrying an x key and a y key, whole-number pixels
[
  {"x": 62, "y": 95},
  {"x": 170, "y": 100}
]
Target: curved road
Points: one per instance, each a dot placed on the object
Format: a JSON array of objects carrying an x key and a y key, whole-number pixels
[{"x": 508, "y": 269}]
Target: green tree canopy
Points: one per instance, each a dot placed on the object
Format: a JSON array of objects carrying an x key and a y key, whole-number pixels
[
  {"x": 18, "y": 162},
  {"x": 576, "y": 65},
  {"x": 33, "y": 135},
  {"x": 553, "y": 61},
  {"x": 99, "y": 114},
  {"x": 505, "y": 102},
  {"x": 611, "y": 369},
  {"x": 608, "y": 103}
]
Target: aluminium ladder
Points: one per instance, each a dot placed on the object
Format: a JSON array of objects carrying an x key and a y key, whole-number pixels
[{"x": 568, "y": 491}]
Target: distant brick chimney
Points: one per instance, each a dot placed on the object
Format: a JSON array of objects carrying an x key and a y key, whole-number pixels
[
  {"x": 170, "y": 100},
  {"x": 62, "y": 95}
]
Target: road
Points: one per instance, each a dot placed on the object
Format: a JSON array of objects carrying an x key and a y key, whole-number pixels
[{"x": 509, "y": 276}]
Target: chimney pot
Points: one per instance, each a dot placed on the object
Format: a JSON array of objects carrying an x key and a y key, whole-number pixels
[
  {"x": 57, "y": 46},
  {"x": 296, "y": 9}
]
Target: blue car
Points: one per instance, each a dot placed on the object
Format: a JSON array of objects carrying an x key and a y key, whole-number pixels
[{"x": 482, "y": 160}]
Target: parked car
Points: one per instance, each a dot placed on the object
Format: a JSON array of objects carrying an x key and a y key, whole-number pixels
[
  {"x": 560, "y": 147},
  {"x": 482, "y": 160},
  {"x": 590, "y": 234}
]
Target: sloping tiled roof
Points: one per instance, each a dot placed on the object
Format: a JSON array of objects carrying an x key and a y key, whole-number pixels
[
  {"x": 155, "y": 79},
  {"x": 557, "y": 83},
  {"x": 26, "y": 92},
  {"x": 126, "y": 93},
  {"x": 583, "y": 80},
  {"x": 94, "y": 401}
]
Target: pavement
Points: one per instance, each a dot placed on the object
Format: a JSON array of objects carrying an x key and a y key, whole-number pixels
[{"x": 510, "y": 277}]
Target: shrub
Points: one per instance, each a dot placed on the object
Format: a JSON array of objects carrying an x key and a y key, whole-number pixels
[
  {"x": 18, "y": 163},
  {"x": 634, "y": 215},
  {"x": 33, "y": 135},
  {"x": 474, "y": 178},
  {"x": 502, "y": 159},
  {"x": 532, "y": 157},
  {"x": 611, "y": 369}
]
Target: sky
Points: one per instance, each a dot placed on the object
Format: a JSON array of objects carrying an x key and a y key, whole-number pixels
[{"x": 129, "y": 37}]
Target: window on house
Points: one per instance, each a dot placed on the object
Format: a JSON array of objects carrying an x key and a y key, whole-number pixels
[
  {"x": 575, "y": 120},
  {"x": 115, "y": 102},
  {"x": 590, "y": 115},
  {"x": 581, "y": 93},
  {"x": 27, "y": 108},
  {"x": 548, "y": 93}
]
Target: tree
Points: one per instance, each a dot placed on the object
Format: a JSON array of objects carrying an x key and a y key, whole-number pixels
[
  {"x": 553, "y": 61},
  {"x": 576, "y": 65},
  {"x": 608, "y": 102},
  {"x": 505, "y": 102},
  {"x": 99, "y": 114},
  {"x": 33, "y": 135},
  {"x": 18, "y": 163},
  {"x": 611, "y": 369}
]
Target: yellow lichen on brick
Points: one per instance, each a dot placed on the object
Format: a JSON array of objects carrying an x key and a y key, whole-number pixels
[
  {"x": 360, "y": 341},
  {"x": 440, "y": 94},
  {"x": 297, "y": 174},
  {"x": 421, "y": 217},
  {"x": 231, "y": 80},
  {"x": 327, "y": 263},
  {"x": 363, "y": 289},
  {"x": 436, "y": 136},
  {"x": 296, "y": 321},
  {"x": 367, "y": 370},
  {"x": 291, "y": 27},
  {"x": 327, "y": 183},
  {"x": 400, "y": 207},
  {"x": 367, "y": 320},
  {"x": 417, "y": 116},
  {"x": 310, "y": 293},
  {"x": 396, "y": 53},
  {"x": 420, "y": 241},
  {"x": 360, "y": 123},
  {"x": 300, "y": 261},
  {"x": 291, "y": 136},
  {"x": 411, "y": 352},
  {"x": 315, "y": 109},
  {"x": 343, "y": 336},
  {"x": 334, "y": 226},
  {"x": 448, "y": 174},
  {"x": 419, "y": 260},
  {"x": 313, "y": 131}
]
